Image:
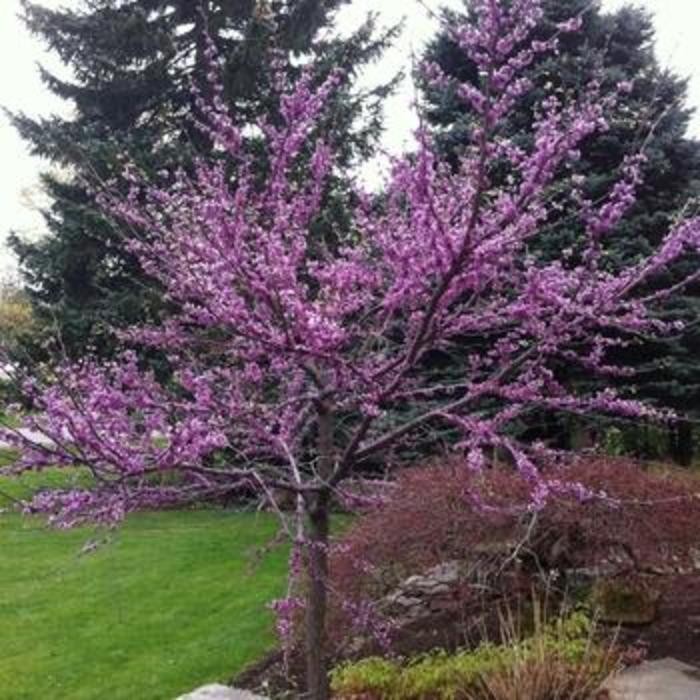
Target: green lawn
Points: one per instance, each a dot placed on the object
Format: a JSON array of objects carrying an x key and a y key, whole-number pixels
[{"x": 174, "y": 601}]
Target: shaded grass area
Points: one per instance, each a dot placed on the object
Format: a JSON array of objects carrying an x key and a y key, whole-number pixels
[
  {"x": 168, "y": 602},
  {"x": 22, "y": 487},
  {"x": 11, "y": 420}
]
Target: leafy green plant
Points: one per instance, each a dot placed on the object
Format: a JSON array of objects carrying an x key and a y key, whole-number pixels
[
  {"x": 561, "y": 659},
  {"x": 374, "y": 675}
]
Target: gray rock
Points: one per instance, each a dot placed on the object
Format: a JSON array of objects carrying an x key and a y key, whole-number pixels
[
  {"x": 653, "y": 680},
  {"x": 219, "y": 692},
  {"x": 443, "y": 575},
  {"x": 695, "y": 558},
  {"x": 404, "y": 601},
  {"x": 422, "y": 594}
]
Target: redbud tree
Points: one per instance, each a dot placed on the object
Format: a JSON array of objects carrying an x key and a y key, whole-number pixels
[{"x": 294, "y": 363}]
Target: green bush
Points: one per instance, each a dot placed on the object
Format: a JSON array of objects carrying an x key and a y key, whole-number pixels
[
  {"x": 561, "y": 657},
  {"x": 375, "y": 675}
]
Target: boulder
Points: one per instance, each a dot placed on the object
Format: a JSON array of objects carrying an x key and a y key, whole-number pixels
[
  {"x": 439, "y": 577},
  {"x": 665, "y": 679},
  {"x": 624, "y": 602},
  {"x": 421, "y": 594}
]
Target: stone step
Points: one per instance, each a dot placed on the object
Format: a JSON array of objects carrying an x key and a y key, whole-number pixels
[{"x": 665, "y": 679}]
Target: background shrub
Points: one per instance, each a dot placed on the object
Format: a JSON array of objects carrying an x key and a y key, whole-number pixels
[{"x": 633, "y": 521}]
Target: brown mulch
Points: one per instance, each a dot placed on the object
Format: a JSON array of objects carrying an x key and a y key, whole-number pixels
[
  {"x": 270, "y": 677},
  {"x": 676, "y": 631}
]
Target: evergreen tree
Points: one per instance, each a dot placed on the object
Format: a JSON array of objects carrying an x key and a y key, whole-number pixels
[
  {"x": 133, "y": 63},
  {"x": 613, "y": 48}
]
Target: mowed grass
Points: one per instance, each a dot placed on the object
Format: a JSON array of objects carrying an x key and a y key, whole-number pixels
[{"x": 170, "y": 601}]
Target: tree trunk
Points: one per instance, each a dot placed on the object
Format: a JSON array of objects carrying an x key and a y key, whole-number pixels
[
  {"x": 317, "y": 545},
  {"x": 682, "y": 443},
  {"x": 316, "y": 670}
]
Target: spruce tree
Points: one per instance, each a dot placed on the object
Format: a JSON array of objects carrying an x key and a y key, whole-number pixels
[
  {"x": 612, "y": 47},
  {"x": 133, "y": 63}
]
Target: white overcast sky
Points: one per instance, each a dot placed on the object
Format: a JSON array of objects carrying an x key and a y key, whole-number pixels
[{"x": 677, "y": 23}]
